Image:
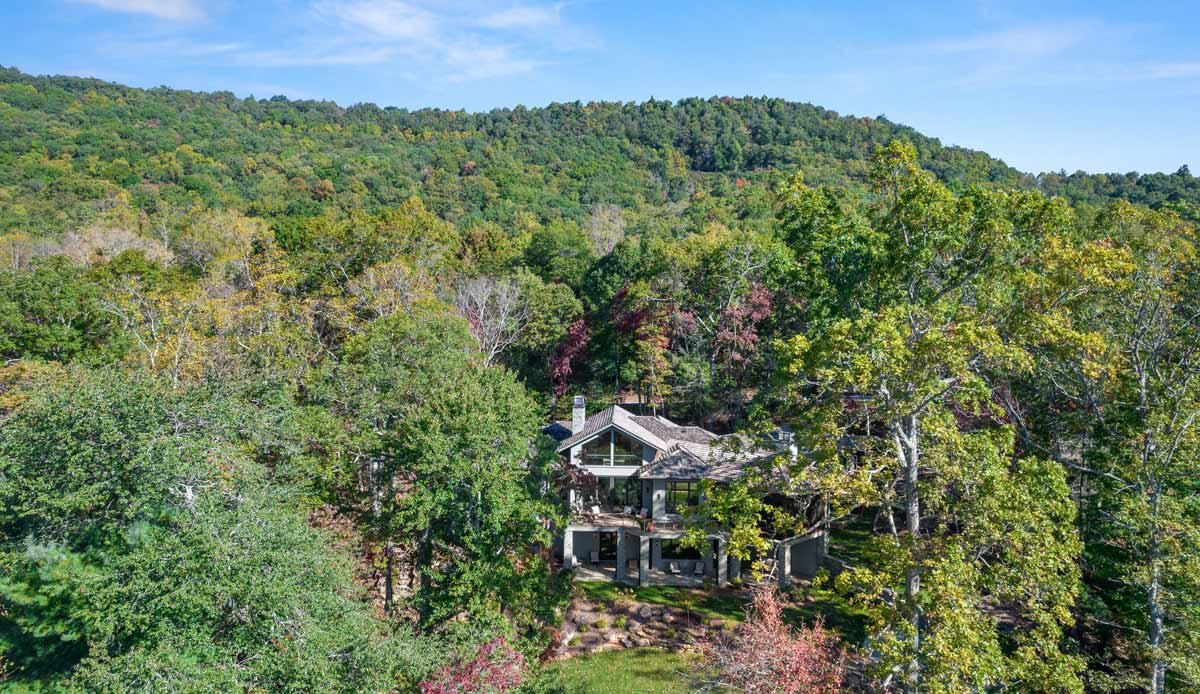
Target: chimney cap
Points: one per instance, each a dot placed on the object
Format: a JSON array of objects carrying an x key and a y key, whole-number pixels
[{"x": 577, "y": 401}]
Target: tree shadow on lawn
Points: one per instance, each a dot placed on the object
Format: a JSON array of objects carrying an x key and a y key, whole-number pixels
[
  {"x": 805, "y": 604},
  {"x": 716, "y": 603},
  {"x": 641, "y": 670}
]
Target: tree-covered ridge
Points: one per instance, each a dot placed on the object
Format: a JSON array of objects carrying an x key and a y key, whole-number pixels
[{"x": 68, "y": 144}]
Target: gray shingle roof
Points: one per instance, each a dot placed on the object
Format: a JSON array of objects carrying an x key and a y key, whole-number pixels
[
  {"x": 683, "y": 452},
  {"x": 723, "y": 459}
]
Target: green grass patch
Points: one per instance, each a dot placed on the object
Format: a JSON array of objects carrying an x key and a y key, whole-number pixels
[
  {"x": 808, "y": 604},
  {"x": 639, "y": 670},
  {"x": 851, "y": 542},
  {"x": 712, "y": 604}
]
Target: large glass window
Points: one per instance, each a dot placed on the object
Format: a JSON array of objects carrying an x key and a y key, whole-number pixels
[
  {"x": 626, "y": 451},
  {"x": 598, "y": 452},
  {"x": 672, "y": 549},
  {"x": 622, "y": 491},
  {"x": 612, "y": 448},
  {"x": 681, "y": 495},
  {"x": 617, "y": 493}
]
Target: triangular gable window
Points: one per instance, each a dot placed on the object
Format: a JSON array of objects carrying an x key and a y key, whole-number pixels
[{"x": 612, "y": 448}]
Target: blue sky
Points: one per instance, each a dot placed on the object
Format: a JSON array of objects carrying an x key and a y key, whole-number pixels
[{"x": 1099, "y": 86}]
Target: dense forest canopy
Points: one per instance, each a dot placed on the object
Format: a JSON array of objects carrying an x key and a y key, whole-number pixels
[
  {"x": 70, "y": 143},
  {"x": 290, "y": 361}
]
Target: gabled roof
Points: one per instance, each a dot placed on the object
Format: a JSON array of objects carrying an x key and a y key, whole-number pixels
[
  {"x": 722, "y": 459},
  {"x": 619, "y": 417},
  {"x": 682, "y": 452}
]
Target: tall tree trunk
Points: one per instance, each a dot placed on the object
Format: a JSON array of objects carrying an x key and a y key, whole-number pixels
[
  {"x": 909, "y": 450},
  {"x": 1158, "y": 664},
  {"x": 388, "y": 579}
]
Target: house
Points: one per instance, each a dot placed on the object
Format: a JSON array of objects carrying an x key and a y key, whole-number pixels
[{"x": 648, "y": 470}]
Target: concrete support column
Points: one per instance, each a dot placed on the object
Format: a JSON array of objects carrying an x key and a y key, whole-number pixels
[
  {"x": 621, "y": 554},
  {"x": 735, "y": 568},
  {"x": 784, "y": 565},
  {"x": 643, "y": 560},
  {"x": 722, "y": 564},
  {"x": 707, "y": 558},
  {"x": 569, "y": 549}
]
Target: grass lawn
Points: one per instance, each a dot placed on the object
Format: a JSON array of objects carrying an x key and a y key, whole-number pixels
[
  {"x": 850, "y": 541},
  {"x": 637, "y": 670},
  {"x": 807, "y": 604},
  {"x": 710, "y": 604}
]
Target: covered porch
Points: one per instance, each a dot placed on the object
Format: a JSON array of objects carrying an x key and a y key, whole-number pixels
[{"x": 626, "y": 553}]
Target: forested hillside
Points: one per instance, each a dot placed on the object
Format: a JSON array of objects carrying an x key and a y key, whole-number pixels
[{"x": 275, "y": 371}]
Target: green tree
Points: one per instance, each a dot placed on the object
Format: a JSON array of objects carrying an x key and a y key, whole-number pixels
[
  {"x": 1119, "y": 403},
  {"x": 903, "y": 376},
  {"x": 145, "y": 549},
  {"x": 560, "y": 252},
  {"x": 454, "y": 470}
]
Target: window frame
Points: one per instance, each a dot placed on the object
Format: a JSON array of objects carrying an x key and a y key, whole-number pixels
[
  {"x": 691, "y": 496},
  {"x": 677, "y": 552},
  {"x": 636, "y": 454}
]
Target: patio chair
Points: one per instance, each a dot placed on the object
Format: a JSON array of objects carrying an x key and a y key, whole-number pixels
[
  {"x": 673, "y": 568},
  {"x": 628, "y": 510},
  {"x": 698, "y": 570},
  {"x": 595, "y": 510},
  {"x": 595, "y": 557}
]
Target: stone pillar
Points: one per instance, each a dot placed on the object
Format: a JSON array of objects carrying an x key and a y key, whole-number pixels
[
  {"x": 735, "y": 568},
  {"x": 784, "y": 565},
  {"x": 643, "y": 560},
  {"x": 569, "y": 549},
  {"x": 621, "y": 554},
  {"x": 722, "y": 565},
  {"x": 707, "y": 558}
]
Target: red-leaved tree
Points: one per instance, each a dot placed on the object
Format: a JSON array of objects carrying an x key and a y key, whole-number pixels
[
  {"x": 766, "y": 655},
  {"x": 497, "y": 667},
  {"x": 568, "y": 352}
]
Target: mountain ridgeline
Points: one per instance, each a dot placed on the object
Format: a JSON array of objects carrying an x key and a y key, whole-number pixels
[{"x": 69, "y": 146}]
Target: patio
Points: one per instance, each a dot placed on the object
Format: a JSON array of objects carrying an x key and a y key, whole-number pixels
[{"x": 607, "y": 571}]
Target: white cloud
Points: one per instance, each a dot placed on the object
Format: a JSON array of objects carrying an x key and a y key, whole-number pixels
[
  {"x": 430, "y": 40},
  {"x": 308, "y": 56},
  {"x": 1024, "y": 42},
  {"x": 175, "y": 10},
  {"x": 1175, "y": 70},
  {"x": 389, "y": 19},
  {"x": 523, "y": 17},
  {"x": 476, "y": 62}
]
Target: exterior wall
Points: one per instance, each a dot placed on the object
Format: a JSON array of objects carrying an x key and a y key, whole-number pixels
[
  {"x": 806, "y": 557},
  {"x": 659, "y": 499},
  {"x": 584, "y": 543}
]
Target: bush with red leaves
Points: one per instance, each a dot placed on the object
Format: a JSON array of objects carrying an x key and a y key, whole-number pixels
[
  {"x": 766, "y": 655},
  {"x": 496, "y": 667}
]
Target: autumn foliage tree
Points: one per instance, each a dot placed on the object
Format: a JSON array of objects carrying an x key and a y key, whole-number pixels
[
  {"x": 766, "y": 655},
  {"x": 497, "y": 667}
]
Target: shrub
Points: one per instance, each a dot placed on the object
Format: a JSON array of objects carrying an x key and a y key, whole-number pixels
[
  {"x": 624, "y": 596},
  {"x": 496, "y": 667},
  {"x": 767, "y": 655},
  {"x": 601, "y": 623},
  {"x": 621, "y": 622}
]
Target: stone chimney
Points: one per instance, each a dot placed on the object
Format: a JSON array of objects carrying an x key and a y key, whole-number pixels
[{"x": 578, "y": 414}]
